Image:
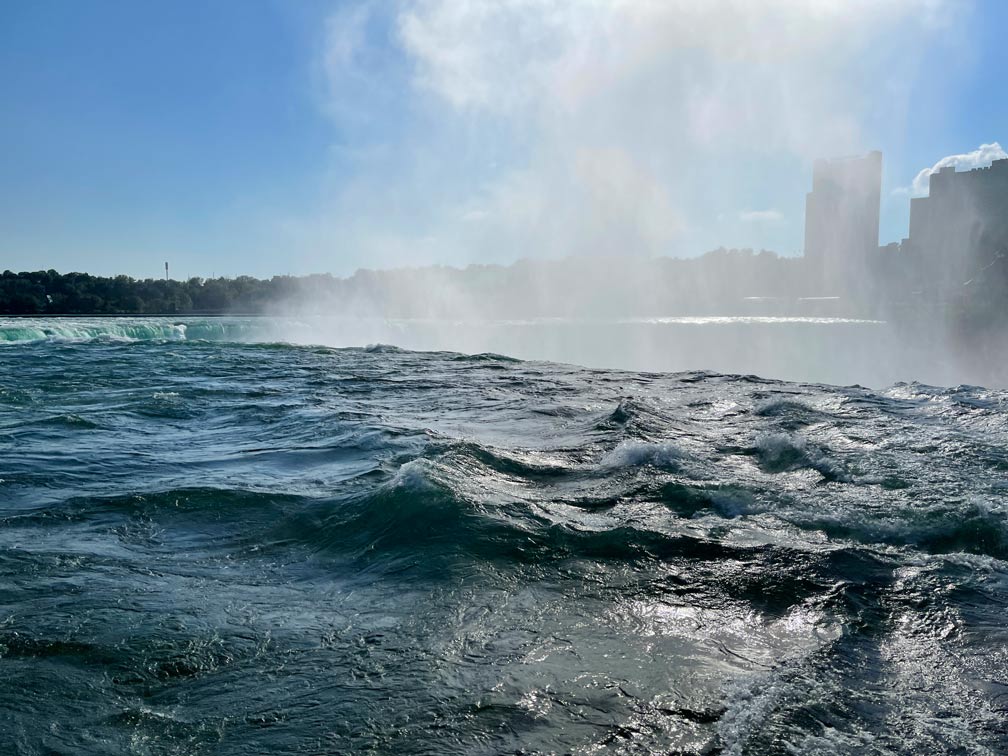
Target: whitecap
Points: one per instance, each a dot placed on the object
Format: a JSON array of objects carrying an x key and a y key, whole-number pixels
[{"x": 641, "y": 453}]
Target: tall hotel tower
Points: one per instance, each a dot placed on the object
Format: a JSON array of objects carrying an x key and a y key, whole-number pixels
[{"x": 842, "y": 222}]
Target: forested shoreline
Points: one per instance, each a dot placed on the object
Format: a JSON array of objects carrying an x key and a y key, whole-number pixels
[
  {"x": 51, "y": 293},
  {"x": 576, "y": 285}
]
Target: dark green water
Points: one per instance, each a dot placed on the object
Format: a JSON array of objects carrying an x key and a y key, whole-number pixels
[{"x": 214, "y": 547}]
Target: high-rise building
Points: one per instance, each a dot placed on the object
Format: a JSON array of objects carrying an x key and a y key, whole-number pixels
[
  {"x": 842, "y": 222},
  {"x": 959, "y": 230}
]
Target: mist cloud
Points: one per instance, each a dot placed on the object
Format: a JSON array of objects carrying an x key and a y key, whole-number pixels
[{"x": 553, "y": 127}]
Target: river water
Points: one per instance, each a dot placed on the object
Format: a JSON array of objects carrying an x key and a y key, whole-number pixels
[{"x": 214, "y": 541}]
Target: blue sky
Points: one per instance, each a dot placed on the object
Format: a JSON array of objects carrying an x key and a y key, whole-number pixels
[{"x": 262, "y": 137}]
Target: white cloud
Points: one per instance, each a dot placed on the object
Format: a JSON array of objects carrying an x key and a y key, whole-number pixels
[
  {"x": 983, "y": 155},
  {"x": 761, "y": 216},
  {"x": 787, "y": 74}
]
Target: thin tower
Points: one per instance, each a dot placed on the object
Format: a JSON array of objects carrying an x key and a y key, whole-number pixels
[{"x": 166, "y": 270}]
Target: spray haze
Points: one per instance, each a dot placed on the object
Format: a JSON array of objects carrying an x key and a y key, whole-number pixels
[
  {"x": 595, "y": 140},
  {"x": 546, "y": 129},
  {"x": 624, "y": 162}
]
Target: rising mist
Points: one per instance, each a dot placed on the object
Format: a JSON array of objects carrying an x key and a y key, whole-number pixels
[{"x": 596, "y": 142}]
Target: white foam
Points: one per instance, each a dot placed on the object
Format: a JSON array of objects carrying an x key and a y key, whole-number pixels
[
  {"x": 413, "y": 476},
  {"x": 774, "y": 446},
  {"x": 642, "y": 453}
]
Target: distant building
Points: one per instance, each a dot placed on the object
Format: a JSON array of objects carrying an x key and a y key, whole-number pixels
[
  {"x": 960, "y": 230},
  {"x": 842, "y": 222}
]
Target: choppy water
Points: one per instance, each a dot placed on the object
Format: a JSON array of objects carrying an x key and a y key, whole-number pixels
[{"x": 214, "y": 547}]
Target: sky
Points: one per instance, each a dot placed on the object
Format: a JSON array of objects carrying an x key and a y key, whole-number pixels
[{"x": 264, "y": 137}]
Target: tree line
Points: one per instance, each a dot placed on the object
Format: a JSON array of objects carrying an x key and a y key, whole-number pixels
[
  {"x": 575, "y": 286},
  {"x": 47, "y": 292}
]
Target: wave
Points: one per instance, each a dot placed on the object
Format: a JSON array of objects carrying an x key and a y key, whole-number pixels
[
  {"x": 484, "y": 357},
  {"x": 641, "y": 453},
  {"x": 787, "y": 452},
  {"x": 68, "y": 422}
]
